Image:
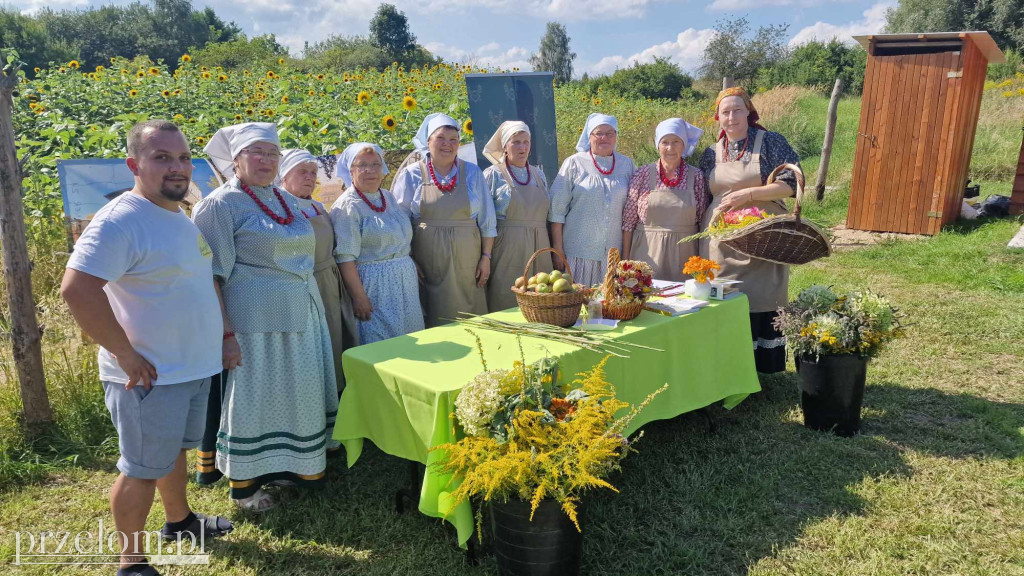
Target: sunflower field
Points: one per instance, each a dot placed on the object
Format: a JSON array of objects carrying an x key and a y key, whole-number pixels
[{"x": 68, "y": 112}]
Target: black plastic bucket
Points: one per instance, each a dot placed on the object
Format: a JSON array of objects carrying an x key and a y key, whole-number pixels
[
  {"x": 550, "y": 545},
  {"x": 832, "y": 391}
]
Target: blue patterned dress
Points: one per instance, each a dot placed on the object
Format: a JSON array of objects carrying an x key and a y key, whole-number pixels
[
  {"x": 379, "y": 243},
  {"x": 277, "y": 407}
]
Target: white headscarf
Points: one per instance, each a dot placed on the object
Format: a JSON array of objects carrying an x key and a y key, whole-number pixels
[
  {"x": 593, "y": 121},
  {"x": 292, "y": 158},
  {"x": 230, "y": 140},
  {"x": 430, "y": 125},
  {"x": 344, "y": 168},
  {"x": 689, "y": 133},
  {"x": 495, "y": 148}
]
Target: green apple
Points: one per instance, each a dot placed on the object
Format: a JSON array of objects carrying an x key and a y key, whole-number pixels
[
  {"x": 556, "y": 275},
  {"x": 543, "y": 278},
  {"x": 561, "y": 285},
  {"x": 543, "y": 288},
  {"x": 532, "y": 280},
  {"x": 568, "y": 277}
]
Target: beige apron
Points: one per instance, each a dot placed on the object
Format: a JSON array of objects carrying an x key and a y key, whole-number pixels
[
  {"x": 522, "y": 232},
  {"x": 766, "y": 284},
  {"x": 341, "y": 320},
  {"x": 446, "y": 245},
  {"x": 671, "y": 216}
]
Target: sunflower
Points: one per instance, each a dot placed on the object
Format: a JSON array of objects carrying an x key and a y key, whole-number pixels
[
  {"x": 222, "y": 78},
  {"x": 101, "y": 68},
  {"x": 246, "y": 72},
  {"x": 74, "y": 64},
  {"x": 154, "y": 71},
  {"x": 191, "y": 120},
  {"x": 178, "y": 117},
  {"x": 166, "y": 93},
  {"x": 40, "y": 110},
  {"x": 410, "y": 90},
  {"x": 268, "y": 112},
  {"x": 389, "y": 123},
  {"x": 467, "y": 127},
  {"x": 284, "y": 99},
  {"x": 438, "y": 86},
  {"x": 280, "y": 61},
  {"x": 363, "y": 97},
  {"x": 176, "y": 92},
  {"x": 409, "y": 103},
  {"x": 238, "y": 117},
  {"x": 323, "y": 130},
  {"x": 249, "y": 111},
  {"x": 200, "y": 140},
  {"x": 203, "y": 68},
  {"x": 206, "y": 75},
  {"x": 319, "y": 76},
  {"x": 37, "y": 69},
  {"x": 311, "y": 93},
  {"x": 123, "y": 72},
  {"x": 186, "y": 58},
  {"x": 140, "y": 74},
  {"x": 32, "y": 105},
  {"x": 133, "y": 93},
  {"x": 270, "y": 74},
  {"x": 315, "y": 122}
]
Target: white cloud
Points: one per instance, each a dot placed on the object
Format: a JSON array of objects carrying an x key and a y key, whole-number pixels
[
  {"x": 489, "y": 55},
  {"x": 561, "y": 9},
  {"x": 686, "y": 51},
  {"x": 32, "y": 6},
  {"x": 872, "y": 22}
]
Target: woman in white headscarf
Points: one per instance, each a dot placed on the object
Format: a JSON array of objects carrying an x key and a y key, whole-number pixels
[
  {"x": 520, "y": 194},
  {"x": 373, "y": 237},
  {"x": 587, "y": 198},
  {"x": 298, "y": 176},
  {"x": 454, "y": 225},
  {"x": 280, "y": 401},
  {"x": 665, "y": 203}
]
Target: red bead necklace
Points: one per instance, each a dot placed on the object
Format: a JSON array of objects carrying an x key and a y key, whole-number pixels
[
  {"x": 383, "y": 200},
  {"x": 316, "y": 211},
  {"x": 725, "y": 149},
  {"x": 599, "y": 169},
  {"x": 286, "y": 220},
  {"x": 443, "y": 187},
  {"x": 513, "y": 174},
  {"x": 680, "y": 170}
]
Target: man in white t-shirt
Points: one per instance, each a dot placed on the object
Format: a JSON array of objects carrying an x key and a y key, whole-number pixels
[{"x": 140, "y": 283}]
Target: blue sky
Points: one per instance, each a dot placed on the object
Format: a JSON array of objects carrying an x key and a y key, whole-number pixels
[{"x": 605, "y": 34}]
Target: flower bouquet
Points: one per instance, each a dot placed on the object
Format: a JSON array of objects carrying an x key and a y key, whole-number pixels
[
  {"x": 729, "y": 222},
  {"x": 627, "y": 285},
  {"x": 832, "y": 337},
  {"x": 533, "y": 443}
]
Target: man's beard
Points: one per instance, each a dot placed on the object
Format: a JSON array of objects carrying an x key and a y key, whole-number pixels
[{"x": 171, "y": 193}]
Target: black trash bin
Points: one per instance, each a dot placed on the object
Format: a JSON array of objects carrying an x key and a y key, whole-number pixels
[{"x": 550, "y": 545}]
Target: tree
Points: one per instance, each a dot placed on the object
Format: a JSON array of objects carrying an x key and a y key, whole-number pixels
[
  {"x": 340, "y": 53},
  {"x": 658, "y": 79},
  {"x": 389, "y": 31},
  {"x": 817, "y": 65},
  {"x": 555, "y": 55},
  {"x": 731, "y": 53},
  {"x": 241, "y": 52},
  {"x": 1003, "y": 19},
  {"x": 28, "y": 37}
]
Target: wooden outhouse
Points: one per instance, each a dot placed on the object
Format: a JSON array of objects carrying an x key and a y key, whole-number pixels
[
  {"x": 919, "y": 112},
  {"x": 1017, "y": 196}
]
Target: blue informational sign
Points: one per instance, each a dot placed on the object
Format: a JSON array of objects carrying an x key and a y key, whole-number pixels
[
  {"x": 526, "y": 96},
  {"x": 86, "y": 185}
]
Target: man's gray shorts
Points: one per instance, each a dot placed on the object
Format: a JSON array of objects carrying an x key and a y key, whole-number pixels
[{"x": 155, "y": 425}]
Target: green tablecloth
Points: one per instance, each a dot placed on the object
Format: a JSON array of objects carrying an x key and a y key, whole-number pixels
[{"x": 400, "y": 392}]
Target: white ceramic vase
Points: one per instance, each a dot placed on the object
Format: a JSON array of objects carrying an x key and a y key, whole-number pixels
[{"x": 698, "y": 290}]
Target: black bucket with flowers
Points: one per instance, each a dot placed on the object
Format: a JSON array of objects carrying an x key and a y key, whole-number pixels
[
  {"x": 832, "y": 337},
  {"x": 531, "y": 447}
]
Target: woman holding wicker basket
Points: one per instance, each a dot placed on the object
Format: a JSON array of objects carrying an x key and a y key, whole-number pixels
[{"x": 737, "y": 170}]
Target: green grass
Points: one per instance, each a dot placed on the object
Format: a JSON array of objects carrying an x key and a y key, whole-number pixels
[{"x": 934, "y": 485}]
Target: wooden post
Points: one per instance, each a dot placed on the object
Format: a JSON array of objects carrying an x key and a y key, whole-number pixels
[
  {"x": 26, "y": 338},
  {"x": 826, "y": 147},
  {"x": 727, "y": 82}
]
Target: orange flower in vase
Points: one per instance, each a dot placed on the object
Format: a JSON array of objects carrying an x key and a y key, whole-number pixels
[{"x": 702, "y": 269}]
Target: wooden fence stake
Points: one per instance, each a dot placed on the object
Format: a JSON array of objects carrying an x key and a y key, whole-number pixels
[
  {"x": 26, "y": 338},
  {"x": 826, "y": 147},
  {"x": 727, "y": 82}
]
